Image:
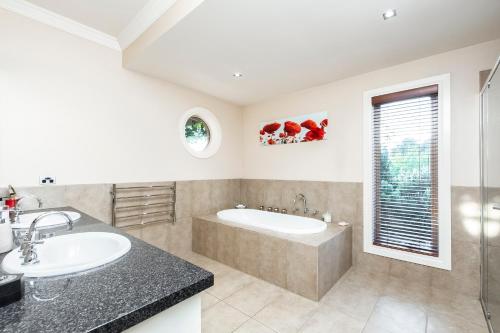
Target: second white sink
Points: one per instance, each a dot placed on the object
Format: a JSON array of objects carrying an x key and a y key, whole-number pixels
[
  {"x": 50, "y": 221},
  {"x": 70, "y": 254}
]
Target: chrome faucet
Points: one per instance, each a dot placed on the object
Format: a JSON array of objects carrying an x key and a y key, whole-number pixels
[
  {"x": 27, "y": 246},
  {"x": 301, "y": 197}
]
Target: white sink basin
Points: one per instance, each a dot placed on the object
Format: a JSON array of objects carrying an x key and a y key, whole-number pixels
[
  {"x": 50, "y": 221},
  {"x": 70, "y": 254}
]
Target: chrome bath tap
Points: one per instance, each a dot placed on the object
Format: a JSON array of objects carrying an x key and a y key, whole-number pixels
[{"x": 302, "y": 198}]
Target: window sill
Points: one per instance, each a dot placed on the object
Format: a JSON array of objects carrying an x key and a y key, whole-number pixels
[{"x": 436, "y": 262}]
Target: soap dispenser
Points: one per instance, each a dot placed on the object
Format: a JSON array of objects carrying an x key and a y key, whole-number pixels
[{"x": 6, "y": 237}]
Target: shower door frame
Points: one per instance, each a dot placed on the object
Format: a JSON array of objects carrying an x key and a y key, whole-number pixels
[{"x": 483, "y": 245}]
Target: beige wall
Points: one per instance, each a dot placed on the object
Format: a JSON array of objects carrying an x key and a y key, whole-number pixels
[
  {"x": 68, "y": 109},
  {"x": 341, "y": 157}
]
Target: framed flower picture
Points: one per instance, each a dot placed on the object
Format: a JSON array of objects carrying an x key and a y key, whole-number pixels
[{"x": 306, "y": 128}]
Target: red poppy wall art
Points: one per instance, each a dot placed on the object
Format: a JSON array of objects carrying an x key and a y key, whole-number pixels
[{"x": 311, "y": 127}]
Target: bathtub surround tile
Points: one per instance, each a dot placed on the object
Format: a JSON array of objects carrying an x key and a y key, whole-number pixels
[
  {"x": 302, "y": 270},
  {"x": 334, "y": 260},
  {"x": 205, "y": 238},
  {"x": 273, "y": 260},
  {"x": 227, "y": 245},
  {"x": 248, "y": 252},
  {"x": 289, "y": 261}
]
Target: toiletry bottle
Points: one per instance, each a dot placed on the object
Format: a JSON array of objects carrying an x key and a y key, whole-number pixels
[{"x": 6, "y": 237}]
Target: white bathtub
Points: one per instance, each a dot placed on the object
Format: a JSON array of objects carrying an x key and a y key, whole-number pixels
[{"x": 289, "y": 224}]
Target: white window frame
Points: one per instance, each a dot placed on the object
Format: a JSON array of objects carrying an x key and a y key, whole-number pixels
[{"x": 443, "y": 261}]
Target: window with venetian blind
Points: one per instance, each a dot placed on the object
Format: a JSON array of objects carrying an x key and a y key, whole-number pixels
[{"x": 406, "y": 158}]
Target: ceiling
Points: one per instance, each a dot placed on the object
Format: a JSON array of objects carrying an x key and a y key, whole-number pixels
[
  {"x": 108, "y": 16},
  {"x": 282, "y": 46}
]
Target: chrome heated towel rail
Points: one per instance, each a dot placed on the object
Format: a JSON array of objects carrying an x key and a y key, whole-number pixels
[{"x": 138, "y": 205}]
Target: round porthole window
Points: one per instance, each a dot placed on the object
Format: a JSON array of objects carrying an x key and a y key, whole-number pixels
[
  {"x": 197, "y": 133},
  {"x": 200, "y": 132}
]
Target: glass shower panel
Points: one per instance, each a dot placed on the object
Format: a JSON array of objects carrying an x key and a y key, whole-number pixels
[{"x": 491, "y": 201}]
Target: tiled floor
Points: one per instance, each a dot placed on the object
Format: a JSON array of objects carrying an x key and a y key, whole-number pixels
[{"x": 360, "y": 302}]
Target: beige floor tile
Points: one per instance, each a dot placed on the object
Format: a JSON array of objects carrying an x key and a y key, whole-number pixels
[
  {"x": 254, "y": 297},
  {"x": 361, "y": 278},
  {"x": 253, "y": 326},
  {"x": 287, "y": 313},
  {"x": 382, "y": 324},
  {"x": 442, "y": 323},
  {"x": 221, "y": 318},
  {"x": 398, "y": 316},
  {"x": 328, "y": 320},
  {"x": 352, "y": 299},
  {"x": 408, "y": 291},
  {"x": 210, "y": 265},
  {"x": 229, "y": 282},
  {"x": 456, "y": 305},
  {"x": 208, "y": 300}
]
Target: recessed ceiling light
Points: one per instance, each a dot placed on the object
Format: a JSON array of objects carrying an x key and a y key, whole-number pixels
[
  {"x": 389, "y": 14},
  {"x": 237, "y": 74}
]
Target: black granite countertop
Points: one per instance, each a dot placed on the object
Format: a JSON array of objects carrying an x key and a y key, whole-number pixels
[{"x": 110, "y": 298}]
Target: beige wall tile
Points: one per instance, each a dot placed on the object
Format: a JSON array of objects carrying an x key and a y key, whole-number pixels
[
  {"x": 94, "y": 200},
  {"x": 179, "y": 236},
  {"x": 52, "y": 196},
  {"x": 465, "y": 214},
  {"x": 201, "y": 197},
  {"x": 156, "y": 234},
  {"x": 183, "y": 199},
  {"x": 413, "y": 273},
  {"x": 464, "y": 276}
]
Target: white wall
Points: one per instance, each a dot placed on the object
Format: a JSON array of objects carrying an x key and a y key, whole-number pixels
[
  {"x": 68, "y": 109},
  {"x": 341, "y": 157}
]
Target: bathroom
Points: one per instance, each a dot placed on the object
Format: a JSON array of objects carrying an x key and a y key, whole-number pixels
[{"x": 237, "y": 166}]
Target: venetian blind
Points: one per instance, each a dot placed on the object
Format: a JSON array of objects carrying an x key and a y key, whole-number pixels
[{"x": 405, "y": 170}]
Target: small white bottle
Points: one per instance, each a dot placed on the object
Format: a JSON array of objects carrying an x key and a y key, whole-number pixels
[
  {"x": 6, "y": 237},
  {"x": 327, "y": 217}
]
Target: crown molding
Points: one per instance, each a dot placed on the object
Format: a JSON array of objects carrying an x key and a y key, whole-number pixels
[
  {"x": 60, "y": 22},
  {"x": 148, "y": 15}
]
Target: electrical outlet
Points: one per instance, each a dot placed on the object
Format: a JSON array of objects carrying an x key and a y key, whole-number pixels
[{"x": 47, "y": 180}]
